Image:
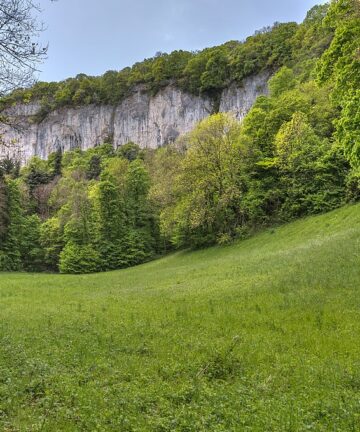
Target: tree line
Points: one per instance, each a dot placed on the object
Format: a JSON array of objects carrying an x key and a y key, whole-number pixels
[{"x": 205, "y": 72}]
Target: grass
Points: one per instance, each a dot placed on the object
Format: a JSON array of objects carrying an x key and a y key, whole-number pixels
[{"x": 262, "y": 335}]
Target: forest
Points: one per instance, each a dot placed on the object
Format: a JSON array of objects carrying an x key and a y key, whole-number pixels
[{"x": 297, "y": 153}]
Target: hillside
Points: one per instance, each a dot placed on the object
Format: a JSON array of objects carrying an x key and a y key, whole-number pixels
[
  {"x": 150, "y": 120},
  {"x": 160, "y": 98},
  {"x": 260, "y": 335}
]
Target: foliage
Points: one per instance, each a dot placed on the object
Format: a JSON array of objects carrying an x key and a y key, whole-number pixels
[
  {"x": 348, "y": 128},
  {"x": 340, "y": 64},
  {"x": 282, "y": 81},
  {"x": 129, "y": 151},
  {"x": 32, "y": 253},
  {"x": 52, "y": 242},
  {"x": 55, "y": 163},
  {"x": 10, "y": 247},
  {"x": 76, "y": 258},
  {"x": 353, "y": 186},
  {"x": 305, "y": 171},
  {"x": 111, "y": 227},
  {"x": 4, "y": 217},
  {"x": 211, "y": 184}
]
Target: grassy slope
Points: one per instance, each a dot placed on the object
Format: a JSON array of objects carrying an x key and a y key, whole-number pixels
[{"x": 261, "y": 335}]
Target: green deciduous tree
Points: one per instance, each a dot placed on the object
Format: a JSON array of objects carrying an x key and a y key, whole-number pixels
[
  {"x": 306, "y": 171},
  {"x": 4, "y": 216},
  {"x": 32, "y": 252},
  {"x": 341, "y": 65},
  {"x": 10, "y": 248},
  {"x": 210, "y": 187},
  {"x": 282, "y": 81},
  {"x": 77, "y": 259},
  {"x": 348, "y": 127},
  {"x": 111, "y": 224},
  {"x": 142, "y": 231},
  {"x": 52, "y": 242},
  {"x": 217, "y": 73}
]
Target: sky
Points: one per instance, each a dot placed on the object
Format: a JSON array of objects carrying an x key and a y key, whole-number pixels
[{"x": 92, "y": 36}]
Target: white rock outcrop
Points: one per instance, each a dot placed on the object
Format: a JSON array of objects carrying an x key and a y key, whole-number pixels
[{"x": 150, "y": 121}]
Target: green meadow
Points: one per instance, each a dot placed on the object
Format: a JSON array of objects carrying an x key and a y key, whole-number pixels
[{"x": 262, "y": 335}]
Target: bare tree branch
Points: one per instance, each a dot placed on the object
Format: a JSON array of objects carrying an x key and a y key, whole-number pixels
[
  {"x": 20, "y": 56},
  {"x": 20, "y": 53}
]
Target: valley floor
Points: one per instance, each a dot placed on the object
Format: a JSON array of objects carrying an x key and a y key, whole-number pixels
[{"x": 262, "y": 335}]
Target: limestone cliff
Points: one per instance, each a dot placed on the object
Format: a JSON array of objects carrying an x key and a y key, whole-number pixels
[{"x": 150, "y": 121}]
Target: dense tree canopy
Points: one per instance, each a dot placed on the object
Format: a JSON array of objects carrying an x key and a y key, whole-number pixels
[
  {"x": 340, "y": 65},
  {"x": 208, "y": 72}
]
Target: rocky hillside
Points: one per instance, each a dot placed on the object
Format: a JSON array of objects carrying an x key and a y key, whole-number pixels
[{"x": 150, "y": 121}]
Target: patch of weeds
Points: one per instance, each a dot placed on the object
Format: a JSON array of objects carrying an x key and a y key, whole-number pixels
[
  {"x": 36, "y": 390},
  {"x": 143, "y": 350},
  {"x": 352, "y": 380},
  {"x": 319, "y": 319},
  {"x": 185, "y": 395},
  {"x": 223, "y": 364}
]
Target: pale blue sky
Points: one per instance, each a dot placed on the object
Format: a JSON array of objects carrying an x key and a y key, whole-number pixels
[{"x": 93, "y": 36}]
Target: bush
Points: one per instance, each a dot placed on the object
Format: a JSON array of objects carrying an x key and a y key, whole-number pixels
[
  {"x": 9, "y": 263},
  {"x": 353, "y": 186},
  {"x": 77, "y": 259}
]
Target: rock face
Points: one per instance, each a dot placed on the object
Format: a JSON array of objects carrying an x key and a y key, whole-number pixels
[
  {"x": 239, "y": 100},
  {"x": 150, "y": 121}
]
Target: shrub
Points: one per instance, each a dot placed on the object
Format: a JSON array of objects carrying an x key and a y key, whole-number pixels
[{"x": 77, "y": 259}]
